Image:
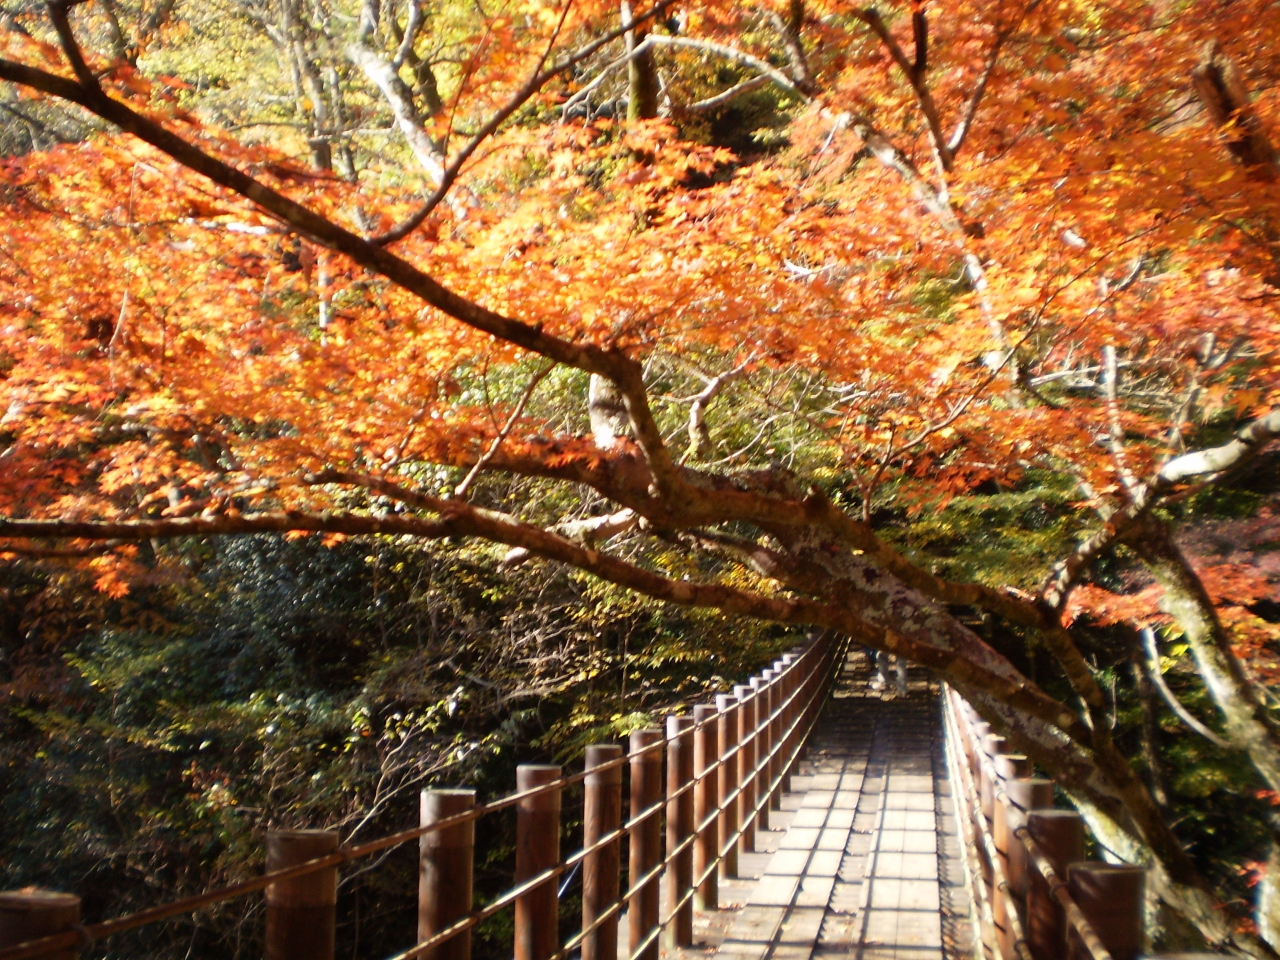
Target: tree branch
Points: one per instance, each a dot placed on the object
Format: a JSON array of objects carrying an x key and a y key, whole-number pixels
[
  {"x": 382, "y": 73},
  {"x": 975, "y": 99},
  {"x": 588, "y": 531},
  {"x": 871, "y": 17},
  {"x": 63, "y": 553},
  {"x": 699, "y": 435},
  {"x": 460, "y": 491},
  {"x": 1226, "y": 100},
  {"x": 1209, "y": 464},
  {"x": 537, "y": 80},
  {"x": 1111, "y": 387},
  {"x": 789, "y": 30},
  {"x": 724, "y": 97},
  {"x": 456, "y": 519},
  {"x": 609, "y": 363},
  {"x": 1151, "y": 664},
  {"x": 732, "y": 53},
  {"x": 59, "y": 14}
]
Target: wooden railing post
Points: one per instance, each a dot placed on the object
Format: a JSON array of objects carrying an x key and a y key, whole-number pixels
[
  {"x": 978, "y": 732},
  {"x": 302, "y": 912},
  {"x": 988, "y": 747},
  {"x": 705, "y": 746},
  {"x": 601, "y": 870},
  {"x": 445, "y": 864},
  {"x": 747, "y": 765},
  {"x": 993, "y": 746},
  {"x": 760, "y": 690},
  {"x": 645, "y": 841},
  {"x": 1008, "y": 767},
  {"x": 32, "y": 914},
  {"x": 804, "y": 702},
  {"x": 800, "y": 670},
  {"x": 1060, "y": 837},
  {"x": 1024, "y": 794},
  {"x": 727, "y": 728},
  {"x": 787, "y": 681},
  {"x": 780, "y": 683},
  {"x": 1110, "y": 895},
  {"x": 816, "y": 661},
  {"x": 773, "y": 687},
  {"x": 679, "y": 829},
  {"x": 537, "y": 849}
]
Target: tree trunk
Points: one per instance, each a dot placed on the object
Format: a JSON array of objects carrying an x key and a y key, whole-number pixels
[
  {"x": 1150, "y": 732},
  {"x": 642, "y": 73},
  {"x": 1249, "y": 725}
]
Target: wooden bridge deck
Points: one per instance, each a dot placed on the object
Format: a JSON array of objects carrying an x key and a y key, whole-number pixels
[{"x": 864, "y": 858}]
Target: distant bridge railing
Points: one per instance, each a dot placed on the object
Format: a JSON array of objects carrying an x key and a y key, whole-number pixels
[
  {"x": 1035, "y": 895},
  {"x": 711, "y": 778}
]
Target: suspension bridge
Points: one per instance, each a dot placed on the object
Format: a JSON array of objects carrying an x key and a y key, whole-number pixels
[{"x": 799, "y": 816}]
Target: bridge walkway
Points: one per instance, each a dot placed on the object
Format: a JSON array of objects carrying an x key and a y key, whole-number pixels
[{"x": 864, "y": 857}]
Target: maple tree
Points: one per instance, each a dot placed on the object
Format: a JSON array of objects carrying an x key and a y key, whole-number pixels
[{"x": 1003, "y": 240}]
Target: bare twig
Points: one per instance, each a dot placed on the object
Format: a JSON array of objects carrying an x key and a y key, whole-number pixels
[
  {"x": 790, "y": 33},
  {"x": 602, "y": 76},
  {"x": 699, "y": 435},
  {"x": 411, "y": 29},
  {"x": 536, "y": 81},
  {"x": 975, "y": 100},
  {"x": 460, "y": 491}
]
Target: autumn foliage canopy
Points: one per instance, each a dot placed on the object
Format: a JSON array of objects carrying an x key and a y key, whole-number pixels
[{"x": 714, "y": 308}]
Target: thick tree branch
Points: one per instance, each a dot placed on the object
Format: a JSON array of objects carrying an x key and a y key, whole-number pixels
[
  {"x": 1226, "y": 100},
  {"x": 456, "y": 519},
  {"x": 587, "y": 531},
  {"x": 62, "y": 553},
  {"x": 723, "y": 98}
]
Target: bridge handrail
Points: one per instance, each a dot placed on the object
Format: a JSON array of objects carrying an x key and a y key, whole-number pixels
[
  {"x": 978, "y": 834},
  {"x": 637, "y": 885},
  {"x": 807, "y": 664},
  {"x": 959, "y": 771}
]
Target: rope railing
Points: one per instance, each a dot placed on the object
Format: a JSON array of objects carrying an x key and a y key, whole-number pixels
[
  {"x": 784, "y": 704},
  {"x": 1018, "y": 851}
]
